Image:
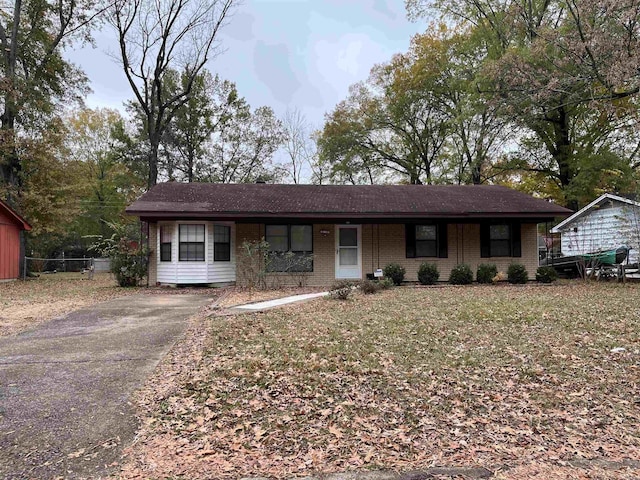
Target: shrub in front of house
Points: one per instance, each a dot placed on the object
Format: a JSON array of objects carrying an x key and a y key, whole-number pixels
[
  {"x": 395, "y": 272},
  {"x": 461, "y": 274},
  {"x": 129, "y": 265},
  {"x": 516, "y": 273},
  {"x": 369, "y": 286},
  {"x": 385, "y": 283},
  {"x": 341, "y": 289},
  {"x": 428, "y": 273},
  {"x": 546, "y": 274},
  {"x": 128, "y": 259},
  {"x": 486, "y": 272}
]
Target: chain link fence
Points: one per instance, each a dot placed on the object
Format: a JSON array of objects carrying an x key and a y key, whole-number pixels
[{"x": 72, "y": 268}]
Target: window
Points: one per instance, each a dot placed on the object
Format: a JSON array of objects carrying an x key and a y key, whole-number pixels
[
  {"x": 290, "y": 247},
  {"x": 278, "y": 237},
  {"x": 191, "y": 243},
  {"x": 221, "y": 243},
  {"x": 428, "y": 240},
  {"x": 301, "y": 239},
  {"x": 500, "y": 240},
  {"x": 165, "y": 243}
]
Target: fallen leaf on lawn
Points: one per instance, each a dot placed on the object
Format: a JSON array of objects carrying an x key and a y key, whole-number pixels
[{"x": 77, "y": 453}]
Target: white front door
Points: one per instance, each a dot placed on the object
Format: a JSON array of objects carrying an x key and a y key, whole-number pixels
[{"x": 348, "y": 251}]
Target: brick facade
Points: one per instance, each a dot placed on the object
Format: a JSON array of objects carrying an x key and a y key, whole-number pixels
[
  {"x": 385, "y": 243},
  {"x": 323, "y": 254},
  {"x": 153, "y": 257}
]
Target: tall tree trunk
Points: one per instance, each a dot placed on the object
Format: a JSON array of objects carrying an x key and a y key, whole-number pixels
[
  {"x": 10, "y": 165},
  {"x": 190, "y": 161},
  {"x": 563, "y": 155},
  {"x": 154, "y": 142},
  {"x": 154, "y": 132},
  {"x": 476, "y": 170}
]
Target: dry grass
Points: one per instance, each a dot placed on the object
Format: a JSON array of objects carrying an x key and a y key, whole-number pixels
[
  {"x": 24, "y": 305},
  {"x": 517, "y": 379}
]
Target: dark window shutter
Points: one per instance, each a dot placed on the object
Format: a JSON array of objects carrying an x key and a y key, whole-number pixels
[
  {"x": 516, "y": 242},
  {"x": 443, "y": 240},
  {"x": 410, "y": 240},
  {"x": 485, "y": 241}
]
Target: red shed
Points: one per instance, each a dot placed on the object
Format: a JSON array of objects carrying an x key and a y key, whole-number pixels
[{"x": 11, "y": 224}]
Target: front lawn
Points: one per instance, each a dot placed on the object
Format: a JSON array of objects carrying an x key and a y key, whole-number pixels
[{"x": 500, "y": 377}]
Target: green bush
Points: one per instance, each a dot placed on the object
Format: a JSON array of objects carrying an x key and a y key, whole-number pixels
[
  {"x": 129, "y": 265},
  {"x": 128, "y": 259},
  {"x": 385, "y": 283},
  {"x": 428, "y": 273},
  {"x": 546, "y": 274},
  {"x": 341, "y": 289},
  {"x": 395, "y": 272},
  {"x": 369, "y": 286},
  {"x": 516, "y": 273},
  {"x": 486, "y": 273},
  {"x": 461, "y": 274}
]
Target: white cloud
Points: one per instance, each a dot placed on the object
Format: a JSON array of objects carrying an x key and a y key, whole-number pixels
[
  {"x": 348, "y": 57},
  {"x": 345, "y": 60}
]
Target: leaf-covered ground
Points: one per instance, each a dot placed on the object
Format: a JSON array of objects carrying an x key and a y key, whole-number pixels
[
  {"x": 25, "y": 304},
  {"x": 521, "y": 380}
]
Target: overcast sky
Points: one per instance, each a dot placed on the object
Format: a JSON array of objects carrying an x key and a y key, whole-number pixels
[{"x": 282, "y": 53}]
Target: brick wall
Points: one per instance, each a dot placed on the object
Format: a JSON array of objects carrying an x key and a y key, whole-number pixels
[
  {"x": 463, "y": 247},
  {"x": 385, "y": 243},
  {"x": 323, "y": 255},
  {"x": 153, "y": 254}
]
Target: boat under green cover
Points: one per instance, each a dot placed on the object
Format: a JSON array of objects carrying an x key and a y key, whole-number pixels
[
  {"x": 614, "y": 256},
  {"x": 570, "y": 266}
]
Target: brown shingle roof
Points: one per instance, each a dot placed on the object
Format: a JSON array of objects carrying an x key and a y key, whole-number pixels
[{"x": 338, "y": 201}]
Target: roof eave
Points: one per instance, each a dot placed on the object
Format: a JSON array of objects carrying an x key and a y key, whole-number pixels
[
  {"x": 580, "y": 213},
  {"x": 546, "y": 216},
  {"x": 12, "y": 213}
]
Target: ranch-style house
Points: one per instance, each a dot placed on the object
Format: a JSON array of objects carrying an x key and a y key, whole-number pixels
[{"x": 196, "y": 230}]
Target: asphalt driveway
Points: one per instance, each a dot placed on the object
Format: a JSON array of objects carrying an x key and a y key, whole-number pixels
[{"x": 65, "y": 386}]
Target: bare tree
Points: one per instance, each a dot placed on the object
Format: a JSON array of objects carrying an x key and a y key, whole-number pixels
[
  {"x": 298, "y": 145},
  {"x": 155, "y": 37}
]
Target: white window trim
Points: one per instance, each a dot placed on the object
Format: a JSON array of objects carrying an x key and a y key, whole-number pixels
[{"x": 206, "y": 241}]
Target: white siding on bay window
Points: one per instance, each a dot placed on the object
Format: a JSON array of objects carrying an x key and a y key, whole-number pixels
[
  {"x": 208, "y": 271},
  {"x": 222, "y": 271},
  {"x": 167, "y": 270},
  {"x": 192, "y": 272}
]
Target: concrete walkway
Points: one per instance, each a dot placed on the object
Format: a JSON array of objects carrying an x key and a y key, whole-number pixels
[
  {"x": 278, "y": 302},
  {"x": 65, "y": 386}
]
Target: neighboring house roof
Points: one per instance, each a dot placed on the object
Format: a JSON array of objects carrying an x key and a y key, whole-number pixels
[
  {"x": 13, "y": 215},
  {"x": 195, "y": 200},
  {"x": 586, "y": 210}
]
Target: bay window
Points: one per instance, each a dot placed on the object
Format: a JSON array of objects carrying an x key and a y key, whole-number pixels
[{"x": 191, "y": 243}]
